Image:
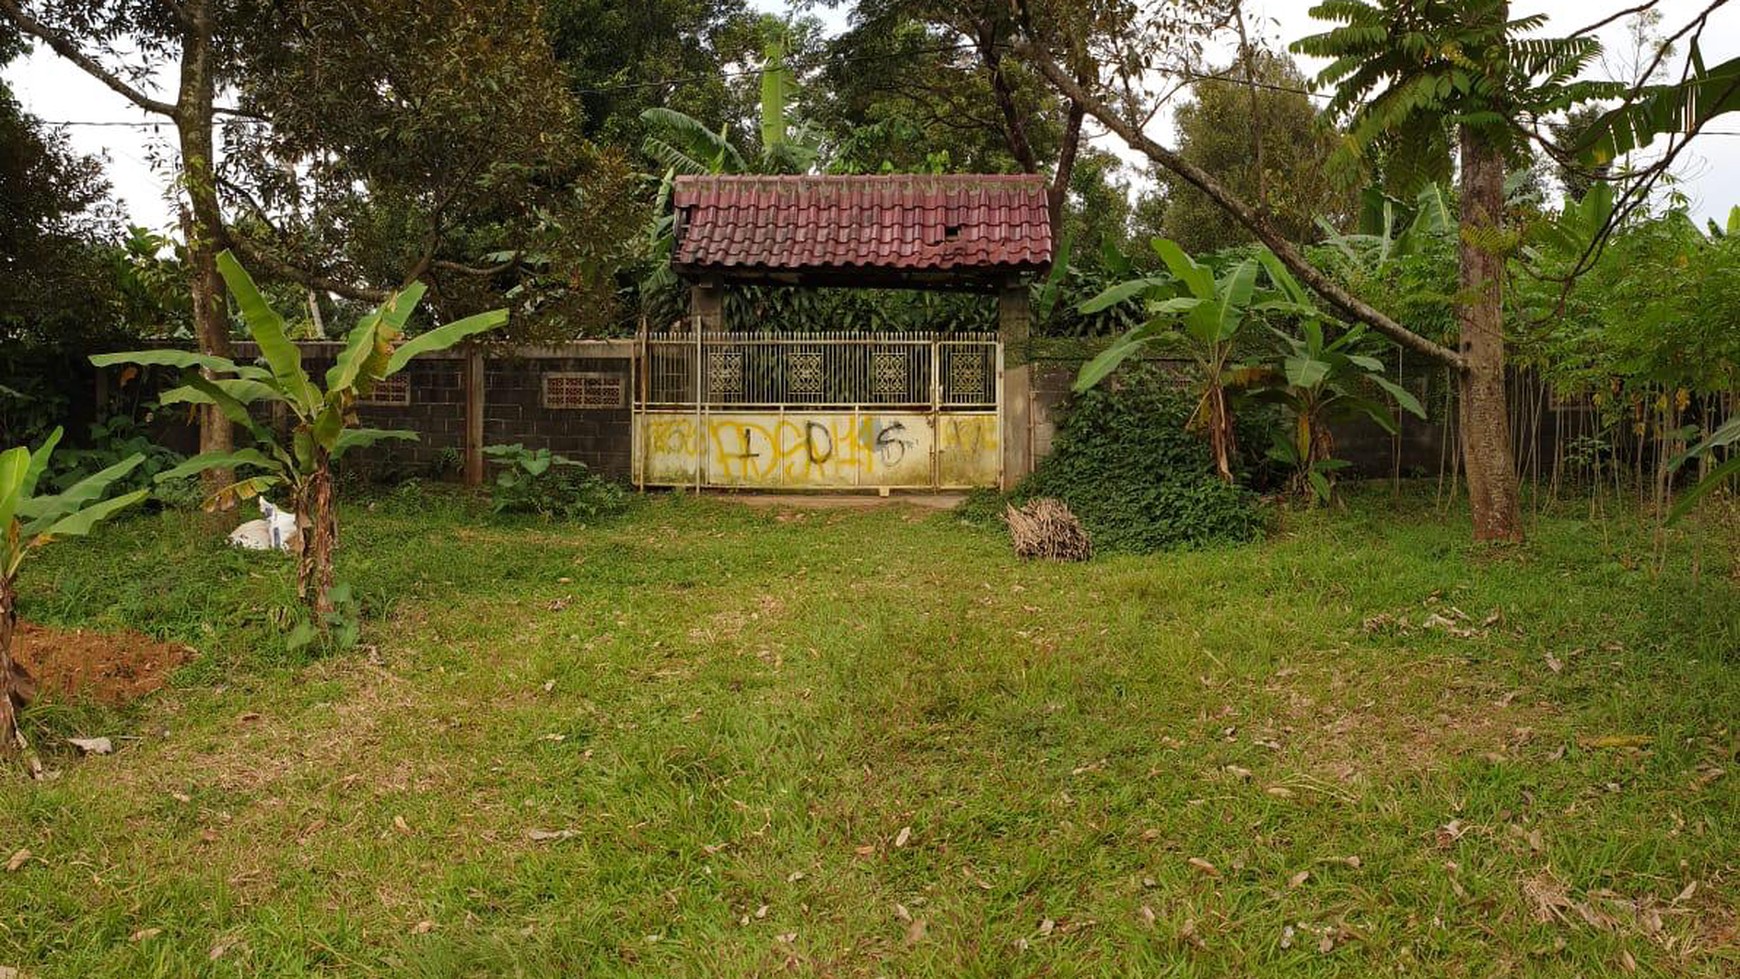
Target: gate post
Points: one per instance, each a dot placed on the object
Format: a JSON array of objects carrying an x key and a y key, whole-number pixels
[
  {"x": 473, "y": 440},
  {"x": 1013, "y": 316}
]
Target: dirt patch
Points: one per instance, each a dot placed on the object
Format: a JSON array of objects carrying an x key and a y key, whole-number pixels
[{"x": 107, "y": 667}]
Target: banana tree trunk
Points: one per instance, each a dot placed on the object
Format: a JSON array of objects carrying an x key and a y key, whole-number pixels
[
  {"x": 1217, "y": 416},
  {"x": 319, "y": 539},
  {"x": 15, "y": 683},
  {"x": 1482, "y": 413}
]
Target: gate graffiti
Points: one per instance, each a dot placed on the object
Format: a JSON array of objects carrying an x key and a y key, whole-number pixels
[{"x": 819, "y": 411}]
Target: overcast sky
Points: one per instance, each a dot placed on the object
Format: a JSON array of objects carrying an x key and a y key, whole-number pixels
[{"x": 54, "y": 90}]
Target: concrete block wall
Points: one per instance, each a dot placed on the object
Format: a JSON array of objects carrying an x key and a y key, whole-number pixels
[{"x": 513, "y": 405}]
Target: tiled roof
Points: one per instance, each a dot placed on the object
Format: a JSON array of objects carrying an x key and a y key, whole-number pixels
[{"x": 958, "y": 224}]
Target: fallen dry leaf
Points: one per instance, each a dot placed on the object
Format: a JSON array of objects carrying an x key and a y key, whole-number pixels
[
  {"x": 1243, "y": 774},
  {"x": 1204, "y": 866},
  {"x": 901, "y": 838},
  {"x": 915, "y": 931},
  {"x": 1553, "y": 663},
  {"x": 866, "y": 850},
  {"x": 1686, "y": 895},
  {"x": 144, "y": 934},
  {"x": 423, "y": 927},
  {"x": 1147, "y": 915},
  {"x": 19, "y": 859},
  {"x": 1626, "y": 961},
  {"x": 92, "y": 746},
  {"x": 1299, "y": 878},
  {"x": 400, "y": 825},
  {"x": 1047, "y": 926},
  {"x": 546, "y": 835},
  {"x": 1279, "y": 791}
]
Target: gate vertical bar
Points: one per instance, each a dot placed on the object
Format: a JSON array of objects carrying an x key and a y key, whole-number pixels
[{"x": 936, "y": 446}]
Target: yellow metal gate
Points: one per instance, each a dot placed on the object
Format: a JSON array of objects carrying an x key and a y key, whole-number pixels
[{"x": 819, "y": 411}]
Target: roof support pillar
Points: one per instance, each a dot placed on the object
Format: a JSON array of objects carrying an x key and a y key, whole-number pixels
[
  {"x": 1014, "y": 317},
  {"x": 707, "y": 303}
]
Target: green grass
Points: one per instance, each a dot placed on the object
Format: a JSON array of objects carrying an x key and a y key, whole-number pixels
[{"x": 778, "y": 740}]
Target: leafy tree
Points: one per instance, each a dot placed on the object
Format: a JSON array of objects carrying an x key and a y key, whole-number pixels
[
  {"x": 366, "y": 138},
  {"x": 56, "y": 218},
  {"x": 27, "y": 522},
  {"x": 621, "y": 58},
  {"x": 1409, "y": 74},
  {"x": 323, "y": 429},
  {"x": 1267, "y": 143},
  {"x": 940, "y": 70}
]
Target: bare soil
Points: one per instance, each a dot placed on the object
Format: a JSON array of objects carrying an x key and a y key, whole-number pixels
[{"x": 107, "y": 667}]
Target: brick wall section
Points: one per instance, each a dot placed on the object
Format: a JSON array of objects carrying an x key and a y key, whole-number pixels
[{"x": 514, "y": 408}]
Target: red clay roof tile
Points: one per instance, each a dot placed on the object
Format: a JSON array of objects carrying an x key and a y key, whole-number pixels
[{"x": 951, "y": 223}]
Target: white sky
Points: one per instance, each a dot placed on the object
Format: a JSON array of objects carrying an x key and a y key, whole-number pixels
[{"x": 54, "y": 90}]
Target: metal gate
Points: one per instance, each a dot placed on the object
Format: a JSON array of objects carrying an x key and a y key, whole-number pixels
[{"x": 819, "y": 410}]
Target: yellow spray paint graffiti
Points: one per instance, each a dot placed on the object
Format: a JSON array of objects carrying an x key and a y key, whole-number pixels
[{"x": 820, "y": 449}]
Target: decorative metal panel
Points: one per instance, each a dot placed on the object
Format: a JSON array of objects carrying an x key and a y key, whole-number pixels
[
  {"x": 888, "y": 375},
  {"x": 584, "y": 391},
  {"x": 724, "y": 373},
  {"x": 395, "y": 390},
  {"x": 803, "y": 373}
]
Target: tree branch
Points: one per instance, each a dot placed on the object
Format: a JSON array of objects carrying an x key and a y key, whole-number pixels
[
  {"x": 66, "y": 48},
  {"x": 260, "y": 258},
  {"x": 1256, "y": 223}
]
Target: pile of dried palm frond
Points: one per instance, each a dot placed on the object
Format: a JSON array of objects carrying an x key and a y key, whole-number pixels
[{"x": 1046, "y": 528}]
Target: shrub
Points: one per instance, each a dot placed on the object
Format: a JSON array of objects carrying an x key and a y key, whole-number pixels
[
  {"x": 1139, "y": 481},
  {"x": 536, "y": 481},
  {"x": 116, "y": 438}
]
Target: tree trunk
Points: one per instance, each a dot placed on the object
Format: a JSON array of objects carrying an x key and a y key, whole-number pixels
[
  {"x": 202, "y": 221},
  {"x": 1485, "y": 421},
  {"x": 319, "y": 522},
  {"x": 16, "y": 685}
]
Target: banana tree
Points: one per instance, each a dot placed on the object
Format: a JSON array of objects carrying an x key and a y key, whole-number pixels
[
  {"x": 1210, "y": 313},
  {"x": 1720, "y": 472},
  {"x": 324, "y": 420},
  {"x": 28, "y": 521},
  {"x": 1318, "y": 380}
]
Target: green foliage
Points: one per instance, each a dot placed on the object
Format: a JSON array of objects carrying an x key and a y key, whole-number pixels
[
  {"x": 1321, "y": 375},
  {"x": 1720, "y": 473},
  {"x": 29, "y": 519},
  {"x": 112, "y": 440},
  {"x": 1407, "y": 74},
  {"x": 1219, "y": 131},
  {"x": 1139, "y": 481},
  {"x": 1656, "y": 110},
  {"x": 535, "y": 481},
  {"x": 324, "y": 418}
]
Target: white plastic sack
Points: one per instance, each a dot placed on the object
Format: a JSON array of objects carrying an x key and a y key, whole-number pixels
[{"x": 274, "y": 533}]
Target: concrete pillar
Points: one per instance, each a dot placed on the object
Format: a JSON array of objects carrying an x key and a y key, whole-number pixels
[
  {"x": 1013, "y": 319},
  {"x": 707, "y": 304}
]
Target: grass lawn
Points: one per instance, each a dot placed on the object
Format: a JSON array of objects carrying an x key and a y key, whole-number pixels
[{"x": 707, "y": 740}]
